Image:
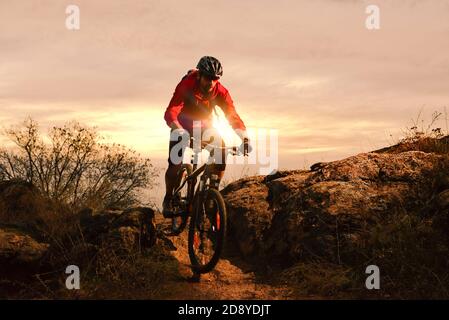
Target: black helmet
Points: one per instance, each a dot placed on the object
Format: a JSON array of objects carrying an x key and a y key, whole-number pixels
[{"x": 210, "y": 67}]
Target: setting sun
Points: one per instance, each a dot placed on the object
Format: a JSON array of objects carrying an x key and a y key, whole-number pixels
[{"x": 221, "y": 124}]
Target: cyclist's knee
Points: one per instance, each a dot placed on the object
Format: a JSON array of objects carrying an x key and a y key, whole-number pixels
[
  {"x": 172, "y": 170},
  {"x": 174, "y": 165}
]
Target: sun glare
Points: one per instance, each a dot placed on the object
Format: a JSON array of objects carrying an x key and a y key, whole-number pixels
[{"x": 221, "y": 124}]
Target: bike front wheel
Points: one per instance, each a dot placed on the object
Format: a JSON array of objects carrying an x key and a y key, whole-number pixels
[{"x": 207, "y": 231}]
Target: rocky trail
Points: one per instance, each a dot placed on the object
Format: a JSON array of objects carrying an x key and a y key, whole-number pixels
[{"x": 231, "y": 279}]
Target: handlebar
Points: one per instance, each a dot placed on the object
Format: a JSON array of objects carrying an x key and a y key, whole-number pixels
[{"x": 234, "y": 150}]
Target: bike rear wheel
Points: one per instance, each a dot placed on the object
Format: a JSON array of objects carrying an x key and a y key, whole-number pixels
[
  {"x": 180, "y": 201},
  {"x": 207, "y": 231}
]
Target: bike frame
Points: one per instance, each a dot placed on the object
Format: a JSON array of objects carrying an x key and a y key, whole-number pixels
[
  {"x": 192, "y": 206},
  {"x": 192, "y": 179}
]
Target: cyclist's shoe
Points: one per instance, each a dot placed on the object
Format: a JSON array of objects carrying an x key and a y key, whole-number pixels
[
  {"x": 167, "y": 208},
  {"x": 196, "y": 277}
]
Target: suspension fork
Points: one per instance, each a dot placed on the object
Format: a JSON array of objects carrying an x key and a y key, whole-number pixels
[{"x": 213, "y": 182}]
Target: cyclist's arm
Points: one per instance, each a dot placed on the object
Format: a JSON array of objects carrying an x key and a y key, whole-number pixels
[
  {"x": 175, "y": 106},
  {"x": 243, "y": 134},
  {"x": 175, "y": 125},
  {"x": 227, "y": 105}
]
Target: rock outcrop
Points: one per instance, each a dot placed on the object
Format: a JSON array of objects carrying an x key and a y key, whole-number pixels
[
  {"x": 19, "y": 250},
  {"x": 129, "y": 230},
  {"x": 294, "y": 215},
  {"x": 30, "y": 239}
]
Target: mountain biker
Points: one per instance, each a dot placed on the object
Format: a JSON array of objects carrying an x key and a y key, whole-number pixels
[{"x": 194, "y": 99}]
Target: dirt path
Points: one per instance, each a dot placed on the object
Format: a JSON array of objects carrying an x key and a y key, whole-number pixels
[{"x": 231, "y": 279}]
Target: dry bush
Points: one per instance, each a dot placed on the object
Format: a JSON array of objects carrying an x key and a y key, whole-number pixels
[
  {"x": 422, "y": 137},
  {"x": 74, "y": 168}
]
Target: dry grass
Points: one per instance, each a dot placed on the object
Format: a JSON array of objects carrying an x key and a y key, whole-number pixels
[
  {"x": 105, "y": 273},
  {"x": 317, "y": 278},
  {"x": 411, "y": 251},
  {"x": 422, "y": 137}
]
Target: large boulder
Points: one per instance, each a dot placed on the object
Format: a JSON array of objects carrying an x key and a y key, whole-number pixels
[
  {"x": 18, "y": 250},
  {"x": 298, "y": 214},
  {"x": 129, "y": 229},
  {"x": 22, "y": 246}
]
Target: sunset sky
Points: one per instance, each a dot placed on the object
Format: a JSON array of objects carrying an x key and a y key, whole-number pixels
[{"x": 309, "y": 69}]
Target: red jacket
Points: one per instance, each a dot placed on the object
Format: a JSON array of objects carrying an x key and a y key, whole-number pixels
[{"x": 188, "y": 104}]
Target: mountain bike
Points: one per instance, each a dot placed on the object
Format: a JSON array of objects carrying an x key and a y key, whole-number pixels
[{"x": 204, "y": 206}]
